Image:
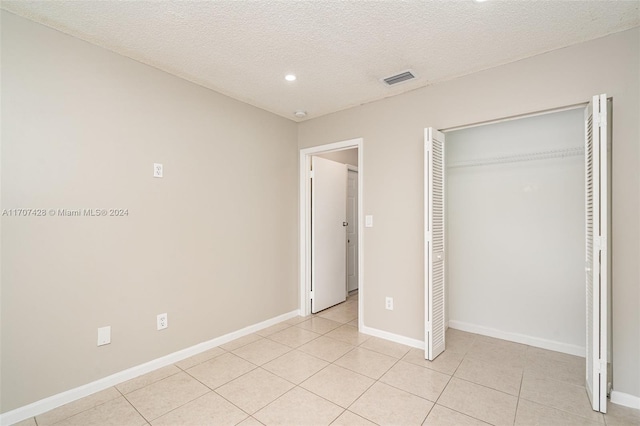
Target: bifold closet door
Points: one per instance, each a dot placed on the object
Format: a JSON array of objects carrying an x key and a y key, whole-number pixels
[
  {"x": 434, "y": 176},
  {"x": 597, "y": 205}
]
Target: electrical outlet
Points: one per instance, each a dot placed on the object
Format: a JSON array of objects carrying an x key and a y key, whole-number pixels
[
  {"x": 157, "y": 170},
  {"x": 389, "y": 303},
  {"x": 104, "y": 335},
  {"x": 162, "y": 321}
]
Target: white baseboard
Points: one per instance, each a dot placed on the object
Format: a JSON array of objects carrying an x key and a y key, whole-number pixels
[
  {"x": 47, "y": 404},
  {"x": 519, "y": 338},
  {"x": 625, "y": 399},
  {"x": 414, "y": 343}
]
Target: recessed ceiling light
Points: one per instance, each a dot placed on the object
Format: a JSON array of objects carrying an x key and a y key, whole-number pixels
[
  {"x": 300, "y": 114},
  {"x": 290, "y": 77},
  {"x": 479, "y": 1}
]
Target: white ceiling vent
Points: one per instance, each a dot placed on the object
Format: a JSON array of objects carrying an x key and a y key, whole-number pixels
[{"x": 399, "y": 78}]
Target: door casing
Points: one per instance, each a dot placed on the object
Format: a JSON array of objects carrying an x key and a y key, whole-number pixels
[{"x": 352, "y": 170}]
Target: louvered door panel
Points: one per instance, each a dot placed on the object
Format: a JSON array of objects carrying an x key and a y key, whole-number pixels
[
  {"x": 434, "y": 244},
  {"x": 597, "y": 205},
  {"x": 588, "y": 153}
]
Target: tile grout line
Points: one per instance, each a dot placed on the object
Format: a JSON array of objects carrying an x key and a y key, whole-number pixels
[
  {"x": 82, "y": 411},
  {"x": 568, "y": 412},
  {"x": 202, "y": 362},
  {"x": 213, "y": 390},
  {"x": 369, "y": 387},
  {"x": 134, "y": 407},
  {"x": 397, "y": 360},
  {"x": 329, "y": 363},
  {"x": 150, "y": 383},
  {"x": 294, "y": 384},
  {"x": 452, "y": 376},
  {"x": 515, "y": 415}
]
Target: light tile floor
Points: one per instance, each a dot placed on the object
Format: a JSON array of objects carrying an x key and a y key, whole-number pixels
[{"x": 321, "y": 371}]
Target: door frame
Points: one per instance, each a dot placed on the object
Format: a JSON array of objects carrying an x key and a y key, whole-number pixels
[
  {"x": 352, "y": 168},
  {"x": 304, "y": 235}
]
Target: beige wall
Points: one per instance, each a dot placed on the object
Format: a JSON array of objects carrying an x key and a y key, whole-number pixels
[
  {"x": 213, "y": 243},
  {"x": 393, "y": 158}
]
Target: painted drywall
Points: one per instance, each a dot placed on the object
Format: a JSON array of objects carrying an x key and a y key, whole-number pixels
[
  {"x": 393, "y": 134},
  {"x": 345, "y": 156},
  {"x": 515, "y": 231},
  {"x": 213, "y": 243}
]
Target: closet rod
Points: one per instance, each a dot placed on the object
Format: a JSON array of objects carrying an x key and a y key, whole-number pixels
[{"x": 543, "y": 155}]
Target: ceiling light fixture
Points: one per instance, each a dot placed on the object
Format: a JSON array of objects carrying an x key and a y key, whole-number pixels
[
  {"x": 300, "y": 114},
  {"x": 290, "y": 77}
]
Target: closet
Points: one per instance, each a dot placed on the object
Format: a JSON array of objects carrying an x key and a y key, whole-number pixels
[
  {"x": 517, "y": 234},
  {"x": 515, "y": 229}
]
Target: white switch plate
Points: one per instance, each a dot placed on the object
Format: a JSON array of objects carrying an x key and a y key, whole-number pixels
[
  {"x": 157, "y": 170},
  {"x": 104, "y": 335},
  {"x": 368, "y": 221},
  {"x": 162, "y": 321},
  {"x": 389, "y": 303}
]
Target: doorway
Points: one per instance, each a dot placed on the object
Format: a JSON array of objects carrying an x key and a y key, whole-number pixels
[{"x": 305, "y": 236}]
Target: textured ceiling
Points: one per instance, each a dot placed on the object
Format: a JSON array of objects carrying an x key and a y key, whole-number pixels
[{"x": 338, "y": 49}]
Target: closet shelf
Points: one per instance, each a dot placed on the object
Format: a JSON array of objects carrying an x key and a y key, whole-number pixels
[{"x": 543, "y": 155}]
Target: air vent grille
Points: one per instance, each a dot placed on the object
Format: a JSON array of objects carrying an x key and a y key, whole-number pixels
[{"x": 399, "y": 78}]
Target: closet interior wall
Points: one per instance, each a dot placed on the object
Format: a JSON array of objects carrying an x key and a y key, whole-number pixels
[{"x": 515, "y": 230}]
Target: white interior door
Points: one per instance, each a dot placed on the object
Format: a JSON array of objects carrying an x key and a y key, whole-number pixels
[
  {"x": 328, "y": 233},
  {"x": 352, "y": 230},
  {"x": 434, "y": 175},
  {"x": 597, "y": 143}
]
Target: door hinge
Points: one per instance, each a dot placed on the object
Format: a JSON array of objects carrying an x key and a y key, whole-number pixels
[
  {"x": 599, "y": 119},
  {"x": 600, "y": 366},
  {"x": 600, "y": 243},
  {"x": 428, "y": 327},
  {"x": 311, "y": 295},
  {"x": 311, "y": 174}
]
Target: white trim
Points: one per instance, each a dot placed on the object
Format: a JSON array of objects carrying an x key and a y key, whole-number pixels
[
  {"x": 516, "y": 117},
  {"x": 625, "y": 399},
  {"x": 551, "y": 345},
  {"x": 414, "y": 343},
  {"x": 305, "y": 221},
  {"x": 54, "y": 401}
]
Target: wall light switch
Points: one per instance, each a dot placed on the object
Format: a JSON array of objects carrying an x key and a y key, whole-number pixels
[
  {"x": 104, "y": 335},
  {"x": 368, "y": 221},
  {"x": 157, "y": 170}
]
